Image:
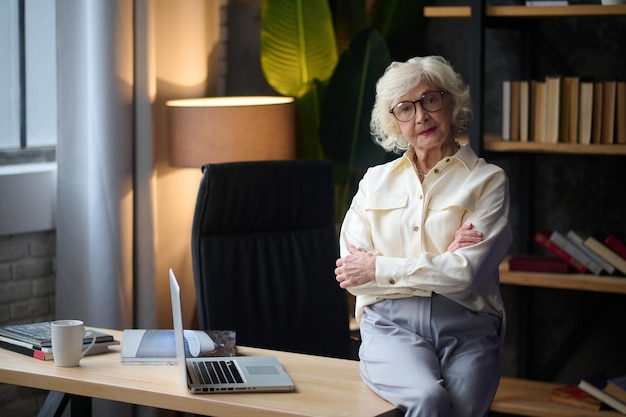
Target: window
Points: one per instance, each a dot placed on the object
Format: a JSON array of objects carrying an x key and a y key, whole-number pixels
[{"x": 28, "y": 98}]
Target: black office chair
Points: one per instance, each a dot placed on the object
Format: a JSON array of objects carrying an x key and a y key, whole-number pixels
[{"x": 264, "y": 247}]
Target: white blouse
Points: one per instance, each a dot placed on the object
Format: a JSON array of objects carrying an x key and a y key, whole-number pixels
[{"x": 409, "y": 226}]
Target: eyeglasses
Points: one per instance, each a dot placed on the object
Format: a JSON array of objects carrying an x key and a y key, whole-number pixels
[{"x": 405, "y": 110}]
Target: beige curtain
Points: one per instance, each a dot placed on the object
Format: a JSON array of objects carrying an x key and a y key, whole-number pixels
[{"x": 123, "y": 214}]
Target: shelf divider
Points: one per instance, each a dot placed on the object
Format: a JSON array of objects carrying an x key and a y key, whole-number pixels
[
  {"x": 578, "y": 282},
  {"x": 494, "y": 143},
  {"x": 527, "y": 11}
]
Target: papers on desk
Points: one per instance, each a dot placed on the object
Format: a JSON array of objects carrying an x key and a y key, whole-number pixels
[{"x": 152, "y": 346}]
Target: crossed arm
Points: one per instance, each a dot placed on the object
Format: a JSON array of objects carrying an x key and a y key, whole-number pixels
[{"x": 359, "y": 267}]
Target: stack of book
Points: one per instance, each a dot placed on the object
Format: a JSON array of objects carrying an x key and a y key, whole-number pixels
[
  {"x": 561, "y": 109},
  {"x": 610, "y": 391},
  {"x": 35, "y": 340},
  {"x": 585, "y": 253}
]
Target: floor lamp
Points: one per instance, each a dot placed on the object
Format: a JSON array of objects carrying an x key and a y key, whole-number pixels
[{"x": 228, "y": 129}]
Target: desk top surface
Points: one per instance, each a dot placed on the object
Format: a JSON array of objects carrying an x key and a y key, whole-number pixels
[{"x": 324, "y": 386}]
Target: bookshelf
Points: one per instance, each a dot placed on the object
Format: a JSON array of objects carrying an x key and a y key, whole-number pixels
[
  {"x": 494, "y": 143},
  {"x": 482, "y": 16},
  {"x": 580, "y": 282},
  {"x": 525, "y": 12},
  {"x": 525, "y": 397}
]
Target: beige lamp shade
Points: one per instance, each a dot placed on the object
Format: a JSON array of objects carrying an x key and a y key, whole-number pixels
[{"x": 228, "y": 129}]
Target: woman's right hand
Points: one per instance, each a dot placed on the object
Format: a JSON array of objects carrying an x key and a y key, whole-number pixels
[
  {"x": 465, "y": 236},
  {"x": 356, "y": 268}
]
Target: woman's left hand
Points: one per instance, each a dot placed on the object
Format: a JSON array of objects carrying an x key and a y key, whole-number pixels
[
  {"x": 356, "y": 268},
  {"x": 465, "y": 236}
]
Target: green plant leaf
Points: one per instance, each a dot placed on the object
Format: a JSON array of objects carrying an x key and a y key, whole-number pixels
[
  {"x": 346, "y": 111},
  {"x": 399, "y": 23},
  {"x": 308, "y": 121},
  {"x": 298, "y": 44}
]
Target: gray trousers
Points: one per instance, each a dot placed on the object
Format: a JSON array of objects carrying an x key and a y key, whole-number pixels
[{"x": 430, "y": 356}]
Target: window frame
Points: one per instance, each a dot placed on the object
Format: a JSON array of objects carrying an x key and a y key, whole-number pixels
[{"x": 37, "y": 134}]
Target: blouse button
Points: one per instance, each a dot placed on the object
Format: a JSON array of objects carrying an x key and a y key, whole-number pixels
[
  {"x": 416, "y": 228},
  {"x": 392, "y": 281},
  {"x": 436, "y": 170},
  {"x": 447, "y": 159},
  {"x": 421, "y": 196}
]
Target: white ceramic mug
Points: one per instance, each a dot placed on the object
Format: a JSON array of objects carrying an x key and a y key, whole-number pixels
[{"x": 67, "y": 341}]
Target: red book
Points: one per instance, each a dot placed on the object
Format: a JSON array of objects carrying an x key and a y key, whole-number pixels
[
  {"x": 616, "y": 243},
  {"x": 572, "y": 395},
  {"x": 22, "y": 348},
  {"x": 542, "y": 237},
  {"x": 537, "y": 263}
]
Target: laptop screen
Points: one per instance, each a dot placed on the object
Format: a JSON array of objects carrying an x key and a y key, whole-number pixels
[{"x": 177, "y": 316}]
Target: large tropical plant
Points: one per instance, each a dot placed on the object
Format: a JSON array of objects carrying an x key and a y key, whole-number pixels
[
  {"x": 344, "y": 126},
  {"x": 300, "y": 40},
  {"x": 298, "y": 57}
]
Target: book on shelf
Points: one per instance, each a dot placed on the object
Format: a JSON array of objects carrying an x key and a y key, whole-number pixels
[
  {"x": 154, "y": 346},
  {"x": 515, "y": 90},
  {"x": 607, "y": 254},
  {"x": 595, "y": 385},
  {"x": 553, "y": 108},
  {"x": 569, "y": 247},
  {"x": 578, "y": 240},
  {"x": 608, "y": 111},
  {"x": 506, "y": 110},
  {"x": 620, "y": 113},
  {"x": 596, "y": 124},
  {"x": 537, "y": 263},
  {"x": 616, "y": 243},
  {"x": 45, "y": 353},
  {"x": 585, "y": 111},
  {"x": 546, "y": 3},
  {"x": 616, "y": 387},
  {"x": 569, "y": 110},
  {"x": 542, "y": 237},
  {"x": 40, "y": 334},
  {"x": 538, "y": 106},
  {"x": 571, "y": 394},
  {"x": 524, "y": 108}
]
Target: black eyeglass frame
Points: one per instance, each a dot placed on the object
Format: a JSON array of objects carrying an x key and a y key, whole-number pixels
[{"x": 442, "y": 92}]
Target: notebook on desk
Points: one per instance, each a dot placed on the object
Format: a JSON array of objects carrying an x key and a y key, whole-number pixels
[{"x": 224, "y": 374}]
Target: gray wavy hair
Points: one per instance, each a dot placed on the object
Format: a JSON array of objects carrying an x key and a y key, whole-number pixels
[{"x": 401, "y": 77}]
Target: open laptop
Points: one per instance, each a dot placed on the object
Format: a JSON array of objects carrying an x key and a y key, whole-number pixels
[{"x": 224, "y": 374}]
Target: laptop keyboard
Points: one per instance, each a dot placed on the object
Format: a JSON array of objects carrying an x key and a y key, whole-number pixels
[{"x": 217, "y": 372}]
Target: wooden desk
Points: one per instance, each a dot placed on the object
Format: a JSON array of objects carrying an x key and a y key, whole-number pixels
[{"x": 324, "y": 386}]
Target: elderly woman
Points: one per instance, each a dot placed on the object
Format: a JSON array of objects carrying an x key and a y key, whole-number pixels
[{"x": 420, "y": 246}]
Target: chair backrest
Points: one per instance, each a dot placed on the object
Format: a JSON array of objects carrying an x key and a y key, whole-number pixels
[{"x": 264, "y": 247}]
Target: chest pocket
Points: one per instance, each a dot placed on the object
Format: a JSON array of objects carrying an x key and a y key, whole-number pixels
[
  {"x": 384, "y": 213},
  {"x": 445, "y": 215}
]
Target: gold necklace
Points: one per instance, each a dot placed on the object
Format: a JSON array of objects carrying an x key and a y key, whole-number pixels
[{"x": 419, "y": 171}]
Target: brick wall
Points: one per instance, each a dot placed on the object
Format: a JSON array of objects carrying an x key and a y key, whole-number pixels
[{"x": 27, "y": 275}]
